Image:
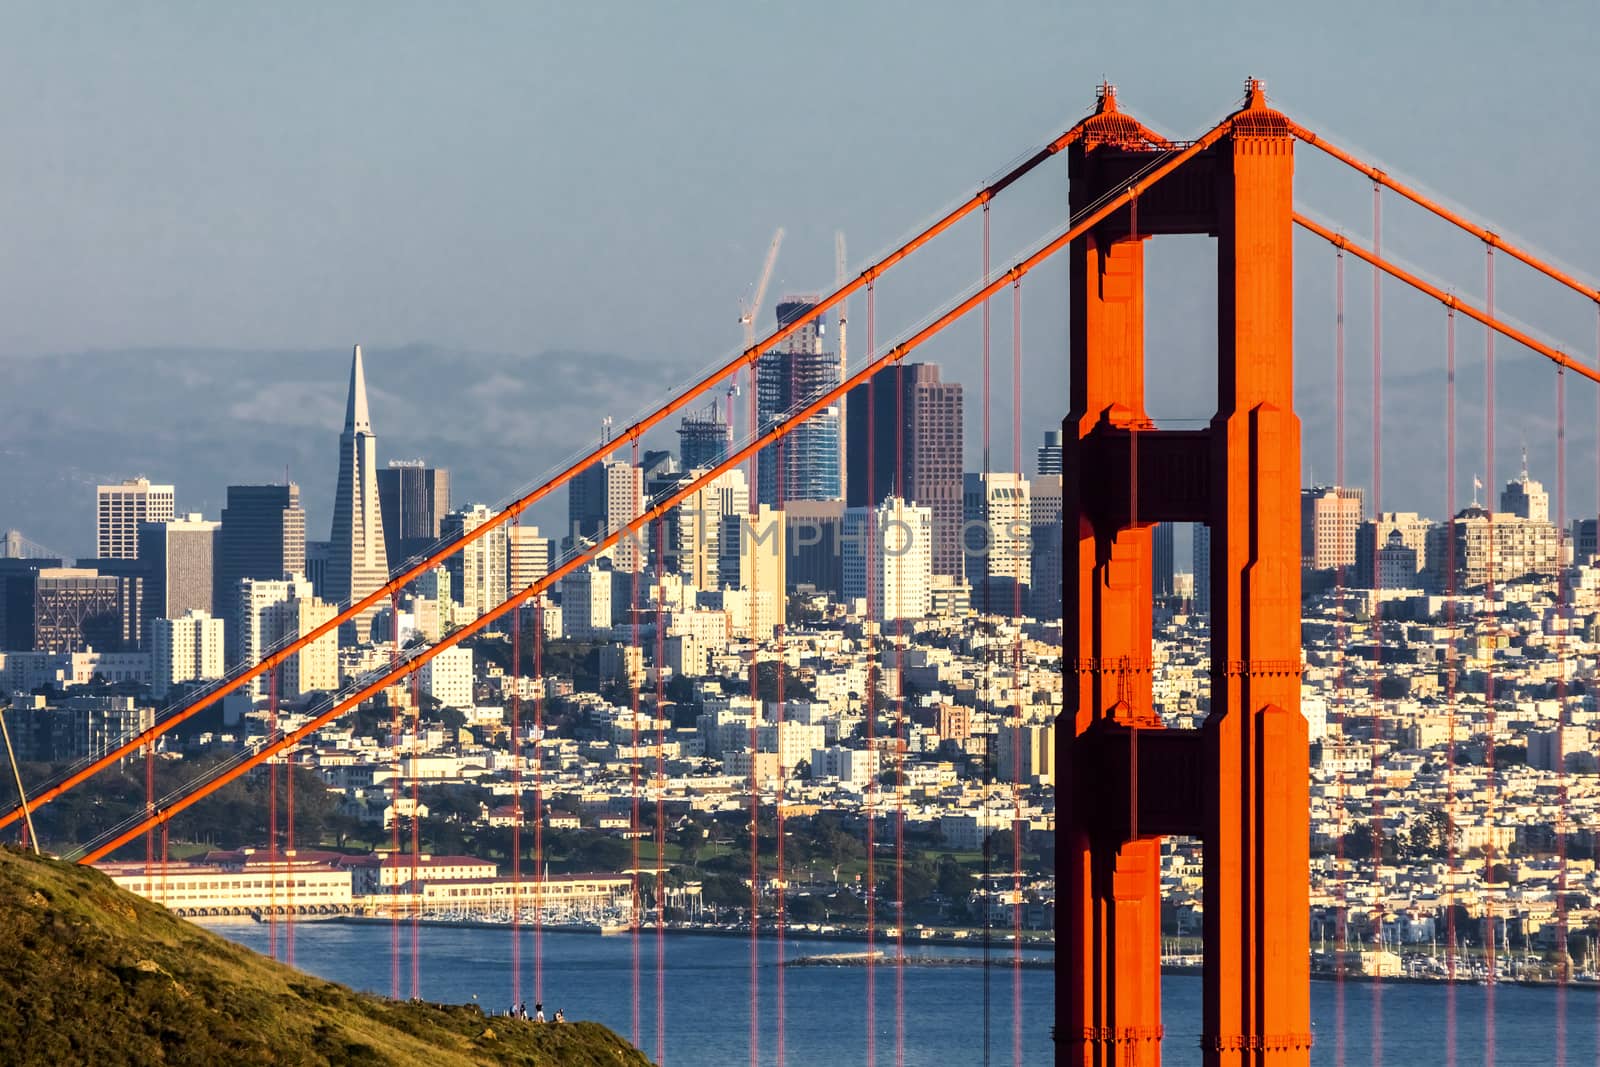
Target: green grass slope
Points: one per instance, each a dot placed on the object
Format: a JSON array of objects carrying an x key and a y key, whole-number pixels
[{"x": 92, "y": 974}]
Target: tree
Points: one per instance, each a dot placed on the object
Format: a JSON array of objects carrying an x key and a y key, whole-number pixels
[{"x": 953, "y": 881}]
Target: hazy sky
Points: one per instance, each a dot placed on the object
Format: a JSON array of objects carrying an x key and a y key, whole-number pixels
[{"x": 518, "y": 178}]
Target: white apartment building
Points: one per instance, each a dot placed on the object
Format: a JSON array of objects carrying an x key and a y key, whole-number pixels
[
  {"x": 274, "y": 612},
  {"x": 997, "y": 536},
  {"x": 478, "y": 570},
  {"x": 752, "y": 557},
  {"x": 586, "y": 603},
  {"x": 527, "y": 557},
  {"x": 447, "y": 678},
  {"x": 188, "y": 649},
  {"x": 891, "y": 564},
  {"x": 853, "y": 767}
]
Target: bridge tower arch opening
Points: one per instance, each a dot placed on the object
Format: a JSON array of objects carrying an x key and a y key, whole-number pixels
[{"x": 1239, "y": 783}]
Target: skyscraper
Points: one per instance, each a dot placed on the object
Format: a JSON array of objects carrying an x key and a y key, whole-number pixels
[
  {"x": 787, "y": 379},
  {"x": 186, "y": 648},
  {"x": 1330, "y": 515},
  {"x": 1163, "y": 565},
  {"x": 263, "y": 536},
  {"x": 1044, "y": 507},
  {"x": 273, "y": 612},
  {"x": 358, "y": 563},
  {"x": 891, "y": 567},
  {"x": 605, "y": 497},
  {"x": 477, "y": 570},
  {"x": 527, "y": 557},
  {"x": 119, "y": 509},
  {"x": 1202, "y": 568},
  {"x": 1049, "y": 457},
  {"x": 413, "y": 499},
  {"x": 704, "y": 438},
  {"x": 913, "y": 450},
  {"x": 180, "y": 560},
  {"x": 997, "y": 537}
]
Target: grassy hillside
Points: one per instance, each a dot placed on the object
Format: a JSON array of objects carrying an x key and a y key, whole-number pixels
[{"x": 92, "y": 974}]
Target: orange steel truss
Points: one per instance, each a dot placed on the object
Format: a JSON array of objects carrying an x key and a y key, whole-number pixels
[{"x": 1241, "y": 782}]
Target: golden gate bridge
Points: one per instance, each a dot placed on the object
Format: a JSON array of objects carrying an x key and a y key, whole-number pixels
[{"x": 1239, "y": 783}]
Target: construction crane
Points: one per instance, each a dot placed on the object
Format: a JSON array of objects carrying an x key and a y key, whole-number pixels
[
  {"x": 749, "y": 312},
  {"x": 747, "y": 316}
]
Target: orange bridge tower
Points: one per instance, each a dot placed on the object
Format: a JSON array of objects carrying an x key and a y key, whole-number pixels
[{"x": 1239, "y": 783}]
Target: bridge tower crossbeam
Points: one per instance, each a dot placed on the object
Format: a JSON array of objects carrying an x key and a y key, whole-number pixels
[{"x": 1240, "y": 782}]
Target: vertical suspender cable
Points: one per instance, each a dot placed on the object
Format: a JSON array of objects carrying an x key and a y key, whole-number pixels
[
  {"x": 755, "y": 719},
  {"x": 869, "y": 640},
  {"x": 538, "y": 798},
  {"x": 1450, "y": 682},
  {"x": 1340, "y": 692},
  {"x": 1561, "y": 724},
  {"x": 903, "y": 495},
  {"x": 779, "y": 616},
  {"x": 516, "y": 547},
  {"x": 1370, "y": 580},
  {"x": 1017, "y": 684},
  {"x": 635, "y": 492},
  {"x": 990, "y": 633},
  {"x": 660, "y": 789},
  {"x": 274, "y": 855},
  {"x": 288, "y": 850},
  {"x": 1490, "y": 947},
  {"x": 416, "y": 831},
  {"x": 392, "y": 861}
]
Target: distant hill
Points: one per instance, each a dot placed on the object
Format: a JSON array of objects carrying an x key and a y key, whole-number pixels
[
  {"x": 202, "y": 419},
  {"x": 93, "y": 974}
]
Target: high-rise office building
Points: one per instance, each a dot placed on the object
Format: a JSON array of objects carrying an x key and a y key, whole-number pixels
[
  {"x": 477, "y": 570},
  {"x": 75, "y": 608},
  {"x": 605, "y": 497},
  {"x": 751, "y": 556},
  {"x": 905, "y": 439},
  {"x": 1049, "y": 455},
  {"x": 1329, "y": 519},
  {"x": 263, "y": 536},
  {"x": 1202, "y": 568},
  {"x": 997, "y": 539},
  {"x": 1044, "y": 509},
  {"x": 358, "y": 563},
  {"x": 119, "y": 509},
  {"x": 1163, "y": 565},
  {"x": 180, "y": 559},
  {"x": 805, "y": 464},
  {"x": 890, "y": 564},
  {"x": 704, "y": 438},
  {"x": 184, "y": 649},
  {"x": 815, "y": 545},
  {"x": 586, "y": 602},
  {"x": 694, "y": 528},
  {"x": 17, "y": 577},
  {"x": 413, "y": 499},
  {"x": 527, "y": 557}
]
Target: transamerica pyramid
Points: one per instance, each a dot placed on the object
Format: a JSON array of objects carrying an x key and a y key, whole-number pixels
[{"x": 357, "y": 563}]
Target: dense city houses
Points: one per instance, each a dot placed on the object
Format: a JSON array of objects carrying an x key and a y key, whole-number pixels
[{"x": 854, "y": 627}]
